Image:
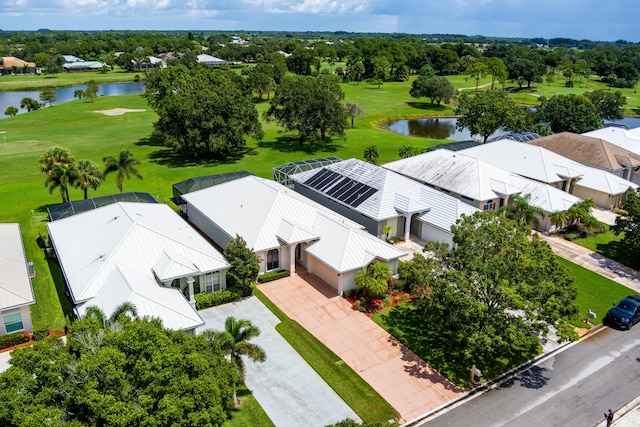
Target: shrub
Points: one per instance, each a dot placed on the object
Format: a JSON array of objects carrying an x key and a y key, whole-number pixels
[
  {"x": 575, "y": 235},
  {"x": 223, "y": 296},
  {"x": 272, "y": 275},
  {"x": 15, "y": 338},
  {"x": 40, "y": 331},
  {"x": 349, "y": 293}
]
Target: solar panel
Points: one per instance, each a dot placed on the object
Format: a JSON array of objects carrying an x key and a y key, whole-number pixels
[
  {"x": 351, "y": 192},
  {"x": 322, "y": 179}
]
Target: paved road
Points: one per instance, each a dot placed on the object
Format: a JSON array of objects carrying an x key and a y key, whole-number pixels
[
  {"x": 287, "y": 388},
  {"x": 571, "y": 388}
]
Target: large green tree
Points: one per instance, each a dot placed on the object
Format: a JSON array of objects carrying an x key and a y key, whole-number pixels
[
  {"x": 609, "y": 105},
  {"x": 124, "y": 166},
  {"x": 495, "y": 293},
  {"x": 570, "y": 113},
  {"x": 30, "y": 104},
  {"x": 48, "y": 95},
  {"x": 483, "y": 113},
  {"x": 628, "y": 222},
  {"x": 140, "y": 374},
  {"x": 88, "y": 175},
  {"x": 437, "y": 88},
  {"x": 309, "y": 105},
  {"x": 202, "y": 110}
]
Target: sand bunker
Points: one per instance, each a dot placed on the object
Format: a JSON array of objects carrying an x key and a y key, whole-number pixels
[{"x": 118, "y": 111}]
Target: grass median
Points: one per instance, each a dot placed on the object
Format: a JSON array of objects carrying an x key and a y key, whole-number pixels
[{"x": 356, "y": 392}]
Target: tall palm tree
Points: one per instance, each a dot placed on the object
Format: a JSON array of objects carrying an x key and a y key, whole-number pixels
[
  {"x": 122, "y": 312},
  {"x": 88, "y": 175},
  {"x": 234, "y": 341},
  {"x": 60, "y": 177},
  {"x": 124, "y": 166},
  {"x": 581, "y": 213},
  {"x": 559, "y": 219}
]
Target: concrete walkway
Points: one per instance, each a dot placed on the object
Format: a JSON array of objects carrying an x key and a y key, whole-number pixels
[
  {"x": 287, "y": 388},
  {"x": 595, "y": 262},
  {"x": 410, "y": 385}
]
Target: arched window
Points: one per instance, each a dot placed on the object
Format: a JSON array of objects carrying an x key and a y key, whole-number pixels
[{"x": 273, "y": 259}]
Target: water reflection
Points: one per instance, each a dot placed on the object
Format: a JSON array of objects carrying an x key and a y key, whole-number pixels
[{"x": 435, "y": 128}]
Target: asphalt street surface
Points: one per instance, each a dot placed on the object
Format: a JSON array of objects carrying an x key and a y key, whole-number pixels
[{"x": 573, "y": 387}]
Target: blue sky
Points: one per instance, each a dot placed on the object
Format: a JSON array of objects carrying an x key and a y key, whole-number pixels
[{"x": 578, "y": 19}]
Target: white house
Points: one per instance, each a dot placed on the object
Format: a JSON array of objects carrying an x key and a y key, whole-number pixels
[
  {"x": 142, "y": 253},
  {"x": 480, "y": 184},
  {"x": 376, "y": 197},
  {"x": 211, "y": 60},
  {"x": 543, "y": 165},
  {"x": 285, "y": 228},
  {"x": 16, "y": 292},
  {"x": 627, "y": 139}
]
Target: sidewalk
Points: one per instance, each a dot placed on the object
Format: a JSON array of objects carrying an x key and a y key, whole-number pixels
[
  {"x": 595, "y": 262},
  {"x": 627, "y": 416}
]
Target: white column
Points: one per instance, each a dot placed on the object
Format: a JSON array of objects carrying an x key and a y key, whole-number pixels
[
  {"x": 407, "y": 227},
  {"x": 292, "y": 260},
  {"x": 190, "y": 281}
]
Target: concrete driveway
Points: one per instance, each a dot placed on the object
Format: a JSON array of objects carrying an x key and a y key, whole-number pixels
[
  {"x": 409, "y": 384},
  {"x": 287, "y": 388}
]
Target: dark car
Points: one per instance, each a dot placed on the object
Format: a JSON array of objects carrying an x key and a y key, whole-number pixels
[{"x": 624, "y": 314}]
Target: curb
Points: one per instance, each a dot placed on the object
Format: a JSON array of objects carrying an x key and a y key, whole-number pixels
[
  {"x": 434, "y": 413},
  {"x": 623, "y": 413}
]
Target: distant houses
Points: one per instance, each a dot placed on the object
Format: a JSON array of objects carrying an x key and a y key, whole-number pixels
[{"x": 11, "y": 65}]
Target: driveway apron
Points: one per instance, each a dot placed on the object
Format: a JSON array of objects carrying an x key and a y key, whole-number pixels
[
  {"x": 410, "y": 385},
  {"x": 287, "y": 388}
]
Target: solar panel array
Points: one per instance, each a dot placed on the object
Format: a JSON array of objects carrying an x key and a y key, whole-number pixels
[{"x": 339, "y": 187}]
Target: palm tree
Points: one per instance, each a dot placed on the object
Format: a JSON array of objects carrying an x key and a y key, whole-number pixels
[
  {"x": 581, "y": 213},
  {"x": 124, "y": 166},
  {"x": 520, "y": 210},
  {"x": 371, "y": 154},
  {"x": 374, "y": 280},
  {"x": 88, "y": 175},
  {"x": 559, "y": 219},
  {"x": 59, "y": 177},
  {"x": 234, "y": 341},
  {"x": 59, "y": 165},
  {"x": 407, "y": 151},
  {"x": 124, "y": 311}
]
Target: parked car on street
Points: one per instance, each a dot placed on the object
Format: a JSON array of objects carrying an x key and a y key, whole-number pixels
[{"x": 624, "y": 314}]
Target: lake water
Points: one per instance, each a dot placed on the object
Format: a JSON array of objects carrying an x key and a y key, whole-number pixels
[
  {"x": 445, "y": 128},
  {"x": 66, "y": 94}
]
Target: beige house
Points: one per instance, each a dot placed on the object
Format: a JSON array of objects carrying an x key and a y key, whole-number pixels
[
  {"x": 16, "y": 292},
  {"x": 594, "y": 152}
]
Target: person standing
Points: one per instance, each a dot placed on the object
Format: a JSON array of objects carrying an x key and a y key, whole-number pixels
[{"x": 609, "y": 418}]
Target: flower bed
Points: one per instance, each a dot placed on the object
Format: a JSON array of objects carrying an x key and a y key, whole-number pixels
[{"x": 371, "y": 307}]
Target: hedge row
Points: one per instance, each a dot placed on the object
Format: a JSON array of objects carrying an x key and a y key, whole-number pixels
[
  {"x": 15, "y": 338},
  {"x": 272, "y": 275},
  {"x": 223, "y": 296}
]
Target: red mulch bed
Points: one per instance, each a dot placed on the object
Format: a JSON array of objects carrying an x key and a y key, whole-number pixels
[
  {"x": 31, "y": 341},
  {"x": 377, "y": 305}
]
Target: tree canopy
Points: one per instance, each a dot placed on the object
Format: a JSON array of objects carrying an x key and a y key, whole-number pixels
[
  {"x": 139, "y": 374},
  {"x": 437, "y": 88},
  {"x": 570, "y": 113},
  {"x": 628, "y": 222},
  {"x": 310, "y": 106},
  {"x": 609, "y": 105},
  {"x": 494, "y": 294},
  {"x": 245, "y": 264},
  {"x": 202, "y": 110},
  {"x": 485, "y": 112}
]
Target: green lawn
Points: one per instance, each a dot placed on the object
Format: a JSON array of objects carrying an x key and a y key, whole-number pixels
[
  {"x": 355, "y": 391},
  {"x": 610, "y": 245},
  {"x": 249, "y": 413},
  {"x": 34, "y": 81}
]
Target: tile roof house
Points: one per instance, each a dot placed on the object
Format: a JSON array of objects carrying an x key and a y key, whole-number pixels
[
  {"x": 376, "y": 197},
  {"x": 13, "y": 65},
  {"x": 479, "y": 183},
  {"x": 540, "y": 164},
  {"x": 16, "y": 292},
  {"x": 142, "y": 253},
  {"x": 594, "y": 152},
  {"x": 285, "y": 228}
]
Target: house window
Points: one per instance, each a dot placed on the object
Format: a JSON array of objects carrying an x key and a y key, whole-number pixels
[
  {"x": 564, "y": 185},
  {"x": 212, "y": 281},
  {"x": 273, "y": 261},
  {"x": 501, "y": 202},
  {"x": 489, "y": 206},
  {"x": 13, "y": 322}
]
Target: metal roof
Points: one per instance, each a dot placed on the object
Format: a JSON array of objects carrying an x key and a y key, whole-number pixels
[
  {"x": 63, "y": 210},
  {"x": 627, "y": 139},
  {"x": 147, "y": 238},
  {"x": 200, "y": 182},
  {"x": 15, "y": 285},
  {"x": 281, "y": 173}
]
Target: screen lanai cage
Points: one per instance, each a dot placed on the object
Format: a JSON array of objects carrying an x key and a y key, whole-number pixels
[
  {"x": 64, "y": 210},
  {"x": 198, "y": 183},
  {"x": 281, "y": 173}
]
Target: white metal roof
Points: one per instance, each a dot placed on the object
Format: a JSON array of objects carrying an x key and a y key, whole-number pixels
[
  {"x": 396, "y": 194},
  {"x": 457, "y": 173},
  {"x": 627, "y": 139},
  {"x": 15, "y": 285},
  {"x": 266, "y": 214},
  {"x": 145, "y": 237},
  {"x": 255, "y": 208},
  {"x": 544, "y": 165},
  {"x": 344, "y": 248}
]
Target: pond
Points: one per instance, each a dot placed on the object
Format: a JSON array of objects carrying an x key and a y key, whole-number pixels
[
  {"x": 435, "y": 128},
  {"x": 445, "y": 128},
  {"x": 66, "y": 94}
]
